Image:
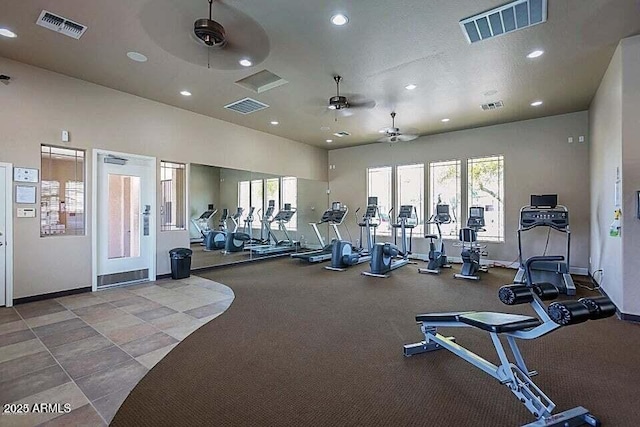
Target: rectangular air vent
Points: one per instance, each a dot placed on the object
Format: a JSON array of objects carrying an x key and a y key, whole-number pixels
[
  {"x": 510, "y": 17},
  {"x": 342, "y": 134},
  {"x": 246, "y": 106},
  {"x": 262, "y": 81},
  {"x": 492, "y": 105},
  {"x": 61, "y": 25}
]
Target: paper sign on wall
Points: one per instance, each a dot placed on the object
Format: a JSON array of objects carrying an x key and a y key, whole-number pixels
[{"x": 25, "y": 194}]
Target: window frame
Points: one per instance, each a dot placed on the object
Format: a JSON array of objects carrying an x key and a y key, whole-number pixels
[
  {"x": 500, "y": 238},
  {"x": 62, "y": 194},
  {"x": 420, "y": 227},
  {"x": 457, "y": 214},
  {"x": 185, "y": 220},
  {"x": 382, "y": 213}
]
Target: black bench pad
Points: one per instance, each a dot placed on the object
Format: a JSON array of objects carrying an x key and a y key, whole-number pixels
[
  {"x": 441, "y": 317},
  {"x": 498, "y": 322}
]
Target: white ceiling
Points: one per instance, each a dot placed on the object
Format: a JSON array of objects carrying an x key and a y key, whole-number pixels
[{"x": 385, "y": 46}]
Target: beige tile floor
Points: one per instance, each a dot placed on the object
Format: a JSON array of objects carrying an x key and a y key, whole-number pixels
[{"x": 90, "y": 350}]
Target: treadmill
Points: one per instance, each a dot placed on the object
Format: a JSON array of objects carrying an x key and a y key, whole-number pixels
[
  {"x": 279, "y": 246},
  {"x": 202, "y": 223},
  {"x": 334, "y": 216},
  {"x": 544, "y": 211}
]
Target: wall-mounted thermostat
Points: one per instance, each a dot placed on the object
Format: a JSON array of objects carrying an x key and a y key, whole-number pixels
[
  {"x": 25, "y": 175},
  {"x": 26, "y": 212}
]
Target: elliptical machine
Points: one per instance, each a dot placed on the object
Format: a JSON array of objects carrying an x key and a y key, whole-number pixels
[
  {"x": 343, "y": 254},
  {"x": 202, "y": 224},
  {"x": 383, "y": 255},
  {"x": 437, "y": 255},
  {"x": 235, "y": 240},
  {"x": 215, "y": 239},
  {"x": 471, "y": 249}
]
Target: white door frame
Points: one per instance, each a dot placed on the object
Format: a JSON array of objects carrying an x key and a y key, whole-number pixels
[
  {"x": 9, "y": 233},
  {"x": 94, "y": 213}
]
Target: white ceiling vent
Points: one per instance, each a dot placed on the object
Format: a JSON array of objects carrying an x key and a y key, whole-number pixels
[
  {"x": 262, "y": 81},
  {"x": 513, "y": 16},
  {"x": 342, "y": 134},
  {"x": 61, "y": 25},
  {"x": 246, "y": 106},
  {"x": 492, "y": 105}
]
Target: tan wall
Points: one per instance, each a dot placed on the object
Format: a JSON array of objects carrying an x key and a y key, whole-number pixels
[
  {"x": 38, "y": 104},
  {"x": 605, "y": 122},
  {"x": 537, "y": 159},
  {"x": 631, "y": 172}
]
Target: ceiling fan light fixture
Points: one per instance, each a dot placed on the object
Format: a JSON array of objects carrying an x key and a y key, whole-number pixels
[
  {"x": 339, "y": 19},
  {"x": 245, "y": 62},
  {"x": 185, "y": 93}
]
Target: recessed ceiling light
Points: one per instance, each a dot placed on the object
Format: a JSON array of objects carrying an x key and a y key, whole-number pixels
[
  {"x": 535, "y": 54},
  {"x": 410, "y": 87},
  {"x": 325, "y": 128},
  {"x": 275, "y": 122},
  {"x": 7, "y": 33},
  {"x": 137, "y": 56},
  {"x": 185, "y": 93},
  {"x": 329, "y": 141},
  {"x": 339, "y": 19},
  {"x": 536, "y": 103},
  {"x": 445, "y": 120},
  {"x": 246, "y": 63}
]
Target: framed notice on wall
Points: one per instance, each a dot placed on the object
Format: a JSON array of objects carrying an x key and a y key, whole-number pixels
[{"x": 25, "y": 194}]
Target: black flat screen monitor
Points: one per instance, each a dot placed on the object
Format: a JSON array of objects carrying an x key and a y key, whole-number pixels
[{"x": 544, "y": 201}]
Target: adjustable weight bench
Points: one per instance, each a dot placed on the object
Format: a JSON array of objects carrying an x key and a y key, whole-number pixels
[{"x": 516, "y": 375}]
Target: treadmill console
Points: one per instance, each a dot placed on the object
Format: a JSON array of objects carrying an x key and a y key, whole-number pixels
[
  {"x": 532, "y": 217},
  {"x": 476, "y": 218},
  {"x": 442, "y": 214},
  {"x": 405, "y": 211}
]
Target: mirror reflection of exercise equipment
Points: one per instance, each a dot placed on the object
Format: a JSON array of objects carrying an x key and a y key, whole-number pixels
[
  {"x": 471, "y": 249},
  {"x": 437, "y": 255},
  {"x": 279, "y": 246},
  {"x": 344, "y": 254},
  {"x": 333, "y": 216},
  {"x": 203, "y": 224}
]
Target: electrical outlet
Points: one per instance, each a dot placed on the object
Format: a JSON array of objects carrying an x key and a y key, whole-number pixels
[
  {"x": 581, "y": 139},
  {"x": 570, "y": 140}
]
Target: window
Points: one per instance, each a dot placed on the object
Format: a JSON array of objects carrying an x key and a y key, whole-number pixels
[
  {"x": 62, "y": 191},
  {"x": 290, "y": 195},
  {"x": 410, "y": 191},
  {"x": 444, "y": 186},
  {"x": 273, "y": 191},
  {"x": 486, "y": 189},
  {"x": 379, "y": 185},
  {"x": 244, "y": 197},
  {"x": 257, "y": 195},
  {"x": 174, "y": 192}
]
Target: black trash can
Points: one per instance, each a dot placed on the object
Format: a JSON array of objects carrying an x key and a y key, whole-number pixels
[{"x": 180, "y": 263}]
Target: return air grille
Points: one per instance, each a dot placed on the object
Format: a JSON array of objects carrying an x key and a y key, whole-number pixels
[
  {"x": 61, "y": 25},
  {"x": 246, "y": 106},
  {"x": 513, "y": 16},
  {"x": 492, "y": 105}
]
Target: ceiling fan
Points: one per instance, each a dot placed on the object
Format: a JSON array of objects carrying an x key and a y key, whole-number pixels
[
  {"x": 228, "y": 39},
  {"x": 345, "y": 104},
  {"x": 393, "y": 133}
]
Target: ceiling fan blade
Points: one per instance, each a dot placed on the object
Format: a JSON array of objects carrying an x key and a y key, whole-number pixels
[
  {"x": 169, "y": 24},
  {"x": 398, "y": 138},
  {"x": 364, "y": 104}
]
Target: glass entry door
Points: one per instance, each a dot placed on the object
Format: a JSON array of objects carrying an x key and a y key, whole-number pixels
[{"x": 125, "y": 222}]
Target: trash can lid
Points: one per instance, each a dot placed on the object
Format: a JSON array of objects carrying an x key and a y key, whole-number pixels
[{"x": 180, "y": 252}]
